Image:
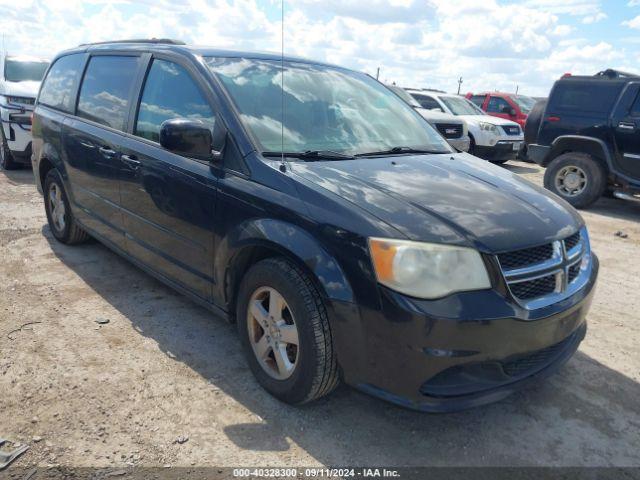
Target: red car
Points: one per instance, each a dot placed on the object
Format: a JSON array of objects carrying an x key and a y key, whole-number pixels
[{"x": 504, "y": 105}]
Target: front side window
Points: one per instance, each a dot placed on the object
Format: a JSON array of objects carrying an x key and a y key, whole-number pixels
[
  {"x": 58, "y": 89},
  {"x": 105, "y": 91},
  {"x": 461, "y": 106},
  {"x": 498, "y": 105},
  {"x": 24, "y": 71},
  {"x": 325, "y": 108},
  {"x": 169, "y": 92}
]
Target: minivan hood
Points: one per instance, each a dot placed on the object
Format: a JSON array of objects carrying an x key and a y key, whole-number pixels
[
  {"x": 488, "y": 119},
  {"x": 20, "y": 89},
  {"x": 447, "y": 198}
]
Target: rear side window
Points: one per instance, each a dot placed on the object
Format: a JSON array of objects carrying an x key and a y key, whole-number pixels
[
  {"x": 58, "y": 88},
  {"x": 478, "y": 100},
  {"x": 635, "y": 108},
  {"x": 595, "y": 97},
  {"x": 106, "y": 88},
  {"x": 169, "y": 92},
  {"x": 427, "y": 102}
]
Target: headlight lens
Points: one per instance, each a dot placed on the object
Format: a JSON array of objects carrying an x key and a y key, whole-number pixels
[
  {"x": 489, "y": 127},
  {"x": 427, "y": 270}
]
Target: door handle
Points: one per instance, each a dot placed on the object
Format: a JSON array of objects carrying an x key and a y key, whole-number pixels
[
  {"x": 627, "y": 126},
  {"x": 107, "y": 152},
  {"x": 132, "y": 162}
]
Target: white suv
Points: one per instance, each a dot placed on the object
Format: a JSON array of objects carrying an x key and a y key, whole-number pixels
[
  {"x": 20, "y": 79},
  {"x": 492, "y": 138}
]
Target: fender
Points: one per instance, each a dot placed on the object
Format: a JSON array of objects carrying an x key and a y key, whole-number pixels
[
  {"x": 291, "y": 241},
  {"x": 579, "y": 143}
]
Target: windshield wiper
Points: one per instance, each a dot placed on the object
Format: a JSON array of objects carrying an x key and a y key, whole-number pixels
[
  {"x": 400, "y": 150},
  {"x": 312, "y": 155}
]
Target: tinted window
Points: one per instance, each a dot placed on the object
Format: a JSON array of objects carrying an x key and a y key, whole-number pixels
[
  {"x": 58, "y": 88},
  {"x": 478, "y": 100},
  {"x": 592, "y": 97},
  {"x": 427, "y": 102},
  {"x": 169, "y": 92},
  {"x": 635, "y": 109},
  {"x": 497, "y": 105},
  {"x": 104, "y": 95}
]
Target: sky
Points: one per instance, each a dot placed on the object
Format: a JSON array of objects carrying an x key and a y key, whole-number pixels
[{"x": 491, "y": 44}]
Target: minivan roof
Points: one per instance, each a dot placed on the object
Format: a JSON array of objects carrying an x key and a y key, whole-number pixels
[{"x": 164, "y": 45}]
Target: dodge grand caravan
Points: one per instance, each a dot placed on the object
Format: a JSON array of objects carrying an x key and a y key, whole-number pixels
[{"x": 342, "y": 234}]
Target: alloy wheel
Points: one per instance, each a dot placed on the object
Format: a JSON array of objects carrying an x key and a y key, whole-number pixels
[
  {"x": 571, "y": 181},
  {"x": 273, "y": 333},
  {"x": 56, "y": 207}
]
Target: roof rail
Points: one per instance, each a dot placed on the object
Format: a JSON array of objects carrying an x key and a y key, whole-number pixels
[
  {"x": 166, "y": 41},
  {"x": 611, "y": 73}
]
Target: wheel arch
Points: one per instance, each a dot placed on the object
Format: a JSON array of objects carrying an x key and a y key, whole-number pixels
[
  {"x": 594, "y": 147},
  {"x": 257, "y": 239}
]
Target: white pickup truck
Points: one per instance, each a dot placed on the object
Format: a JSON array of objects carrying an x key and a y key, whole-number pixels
[{"x": 20, "y": 79}]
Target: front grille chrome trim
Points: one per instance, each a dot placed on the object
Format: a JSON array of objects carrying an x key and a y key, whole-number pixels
[{"x": 559, "y": 265}]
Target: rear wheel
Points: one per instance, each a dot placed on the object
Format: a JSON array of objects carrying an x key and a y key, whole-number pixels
[
  {"x": 284, "y": 330},
  {"x": 578, "y": 178},
  {"x": 62, "y": 223},
  {"x": 6, "y": 159}
]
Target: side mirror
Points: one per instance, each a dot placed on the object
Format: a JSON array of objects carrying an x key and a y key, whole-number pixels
[
  {"x": 509, "y": 111},
  {"x": 191, "y": 138}
]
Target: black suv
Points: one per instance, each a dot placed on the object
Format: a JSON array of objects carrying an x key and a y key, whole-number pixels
[
  {"x": 341, "y": 233},
  {"x": 588, "y": 137}
]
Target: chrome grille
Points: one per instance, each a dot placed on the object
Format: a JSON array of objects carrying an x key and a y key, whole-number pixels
[
  {"x": 450, "y": 130},
  {"x": 545, "y": 274}
]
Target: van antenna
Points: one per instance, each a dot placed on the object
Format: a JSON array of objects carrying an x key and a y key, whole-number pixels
[{"x": 283, "y": 166}]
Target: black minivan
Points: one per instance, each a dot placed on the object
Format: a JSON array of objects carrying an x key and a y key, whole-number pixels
[{"x": 311, "y": 206}]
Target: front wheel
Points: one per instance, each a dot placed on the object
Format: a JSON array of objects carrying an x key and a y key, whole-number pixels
[
  {"x": 285, "y": 333},
  {"x": 6, "y": 159},
  {"x": 578, "y": 178}
]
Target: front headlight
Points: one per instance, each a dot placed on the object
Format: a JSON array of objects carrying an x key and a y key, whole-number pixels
[
  {"x": 489, "y": 127},
  {"x": 427, "y": 270}
]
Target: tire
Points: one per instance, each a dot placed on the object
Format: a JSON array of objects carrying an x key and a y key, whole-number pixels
[
  {"x": 534, "y": 119},
  {"x": 68, "y": 231},
  {"x": 472, "y": 145},
  {"x": 315, "y": 370},
  {"x": 6, "y": 159},
  {"x": 588, "y": 168},
  {"x": 499, "y": 162}
]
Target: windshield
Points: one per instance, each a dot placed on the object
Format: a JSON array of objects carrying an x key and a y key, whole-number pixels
[
  {"x": 325, "y": 109},
  {"x": 21, "y": 71},
  {"x": 525, "y": 103},
  {"x": 461, "y": 106}
]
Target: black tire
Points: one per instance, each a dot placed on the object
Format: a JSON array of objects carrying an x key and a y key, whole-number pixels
[
  {"x": 500, "y": 161},
  {"x": 594, "y": 172},
  {"x": 71, "y": 233},
  {"x": 472, "y": 145},
  {"x": 6, "y": 159},
  {"x": 316, "y": 371}
]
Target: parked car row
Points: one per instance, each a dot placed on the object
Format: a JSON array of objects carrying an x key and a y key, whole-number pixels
[{"x": 342, "y": 234}]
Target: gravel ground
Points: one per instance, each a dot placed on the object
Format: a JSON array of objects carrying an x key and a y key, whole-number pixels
[{"x": 162, "y": 369}]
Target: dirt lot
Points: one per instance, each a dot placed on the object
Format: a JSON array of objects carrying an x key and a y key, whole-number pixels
[{"x": 84, "y": 394}]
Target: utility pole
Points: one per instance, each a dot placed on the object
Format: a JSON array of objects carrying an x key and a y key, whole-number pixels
[
  {"x": 378, "y": 74},
  {"x": 517, "y": 87},
  {"x": 459, "y": 84}
]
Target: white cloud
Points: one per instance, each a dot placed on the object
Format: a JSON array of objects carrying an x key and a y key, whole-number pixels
[
  {"x": 493, "y": 44},
  {"x": 633, "y": 23}
]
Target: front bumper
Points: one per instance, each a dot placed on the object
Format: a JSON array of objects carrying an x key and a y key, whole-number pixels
[
  {"x": 464, "y": 350},
  {"x": 502, "y": 150},
  {"x": 16, "y": 127},
  {"x": 460, "y": 144}
]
